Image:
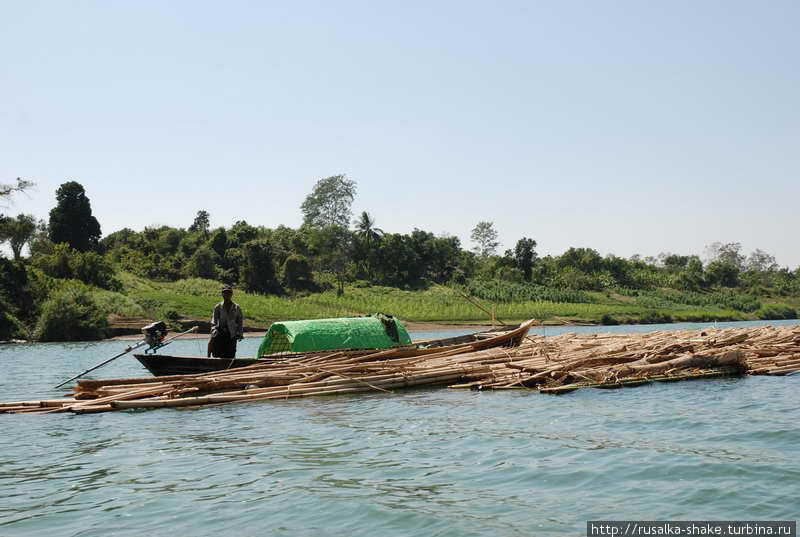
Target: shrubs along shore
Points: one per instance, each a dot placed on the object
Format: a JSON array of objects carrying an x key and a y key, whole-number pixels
[{"x": 76, "y": 311}]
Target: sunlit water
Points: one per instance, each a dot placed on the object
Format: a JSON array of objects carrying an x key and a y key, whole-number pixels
[{"x": 433, "y": 462}]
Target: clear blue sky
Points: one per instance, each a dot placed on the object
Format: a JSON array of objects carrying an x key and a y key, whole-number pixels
[{"x": 625, "y": 126}]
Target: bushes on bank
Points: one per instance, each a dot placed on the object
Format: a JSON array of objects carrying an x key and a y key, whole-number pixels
[
  {"x": 776, "y": 311},
  {"x": 608, "y": 320},
  {"x": 71, "y": 315},
  {"x": 655, "y": 317},
  {"x": 10, "y": 327},
  {"x": 88, "y": 267}
]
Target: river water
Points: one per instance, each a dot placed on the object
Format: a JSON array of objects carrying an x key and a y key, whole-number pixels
[{"x": 431, "y": 462}]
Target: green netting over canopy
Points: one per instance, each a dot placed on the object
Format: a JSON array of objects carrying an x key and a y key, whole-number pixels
[{"x": 328, "y": 334}]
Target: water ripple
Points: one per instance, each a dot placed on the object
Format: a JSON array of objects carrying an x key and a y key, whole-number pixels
[{"x": 425, "y": 462}]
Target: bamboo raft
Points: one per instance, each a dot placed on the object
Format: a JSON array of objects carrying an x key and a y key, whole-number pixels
[{"x": 552, "y": 365}]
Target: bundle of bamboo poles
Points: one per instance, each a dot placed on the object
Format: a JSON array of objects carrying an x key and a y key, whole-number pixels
[
  {"x": 571, "y": 361},
  {"x": 550, "y": 365}
]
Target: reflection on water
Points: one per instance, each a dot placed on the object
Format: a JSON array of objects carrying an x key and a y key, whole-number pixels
[{"x": 423, "y": 462}]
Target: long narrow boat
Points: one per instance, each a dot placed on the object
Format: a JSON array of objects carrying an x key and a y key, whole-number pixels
[{"x": 164, "y": 365}]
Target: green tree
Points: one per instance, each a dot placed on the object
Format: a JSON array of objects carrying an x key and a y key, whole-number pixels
[
  {"x": 201, "y": 222},
  {"x": 329, "y": 202},
  {"x": 189, "y": 244},
  {"x": 584, "y": 259},
  {"x": 71, "y": 315},
  {"x": 118, "y": 239},
  {"x": 40, "y": 242},
  {"x": 761, "y": 261},
  {"x": 722, "y": 273},
  {"x": 17, "y": 231},
  {"x": 58, "y": 264},
  {"x": 441, "y": 256},
  {"x": 71, "y": 220},
  {"x": 287, "y": 241},
  {"x": 203, "y": 263},
  {"x": 88, "y": 267},
  {"x": 219, "y": 242},
  {"x": 485, "y": 238},
  {"x": 674, "y": 262},
  {"x": 258, "y": 272},
  {"x": 16, "y": 299},
  {"x": 297, "y": 274},
  {"x": 168, "y": 241},
  {"x": 525, "y": 256},
  {"x": 726, "y": 253},
  {"x": 10, "y": 326},
  {"x": 691, "y": 278},
  {"x": 366, "y": 230},
  {"x": 333, "y": 248},
  {"x": 241, "y": 233},
  {"x": 396, "y": 259},
  {"x": 368, "y": 236}
]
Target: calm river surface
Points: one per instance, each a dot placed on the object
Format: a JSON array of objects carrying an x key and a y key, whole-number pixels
[{"x": 425, "y": 462}]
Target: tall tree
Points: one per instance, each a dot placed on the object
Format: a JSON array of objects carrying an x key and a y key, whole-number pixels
[
  {"x": 240, "y": 234},
  {"x": 333, "y": 248},
  {"x": 203, "y": 263},
  {"x": 722, "y": 273},
  {"x": 485, "y": 237},
  {"x": 329, "y": 203},
  {"x": 219, "y": 242},
  {"x": 525, "y": 256},
  {"x": 40, "y": 242},
  {"x": 71, "y": 220},
  {"x": 369, "y": 235},
  {"x": 201, "y": 222},
  {"x": 258, "y": 272},
  {"x": 297, "y": 274},
  {"x": 761, "y": 261},
  {"x": 17, "y": 231},
  {"x": 691, "y": 278},
  {"x": 726, "y": 253},
  {"x": 366, "y": 230}
]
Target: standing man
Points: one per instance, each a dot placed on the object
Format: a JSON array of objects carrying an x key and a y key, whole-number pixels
[{"x": 226, "y": 326}]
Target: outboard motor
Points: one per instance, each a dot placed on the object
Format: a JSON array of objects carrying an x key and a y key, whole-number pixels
[{"x": 154, "y": 334}]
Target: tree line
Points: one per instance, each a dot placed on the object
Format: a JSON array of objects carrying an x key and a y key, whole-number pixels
[{"x": 331, "y": 249}]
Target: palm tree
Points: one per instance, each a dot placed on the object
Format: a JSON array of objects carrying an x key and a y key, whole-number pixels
[
  {"x": 365, "y": 228},
  {"x": 369, "y": 234}
]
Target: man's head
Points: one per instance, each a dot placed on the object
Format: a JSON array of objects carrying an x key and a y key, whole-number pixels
[{"x": 227, "y": 292}]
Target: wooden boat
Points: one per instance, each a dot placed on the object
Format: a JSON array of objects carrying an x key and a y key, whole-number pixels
[{"x": 163, "y": 365}]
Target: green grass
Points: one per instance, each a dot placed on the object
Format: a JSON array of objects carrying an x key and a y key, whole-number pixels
[
  {"x": 195, "y": 298},
  {"x": 500, "y": 291}
]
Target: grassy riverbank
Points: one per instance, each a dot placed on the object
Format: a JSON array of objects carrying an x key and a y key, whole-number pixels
[{"x": 194, "y": 298}]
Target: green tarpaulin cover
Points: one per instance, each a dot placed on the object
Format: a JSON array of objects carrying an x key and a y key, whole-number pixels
[{"x": 328, "y": 334}]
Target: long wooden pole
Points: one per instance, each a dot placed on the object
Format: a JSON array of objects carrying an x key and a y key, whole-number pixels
[
  {"x": 123, "y": 353},
  {"x": 484, "y": 310}
]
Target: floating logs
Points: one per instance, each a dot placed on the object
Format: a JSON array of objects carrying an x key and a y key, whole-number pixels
[{"x": 552, "y": 365}]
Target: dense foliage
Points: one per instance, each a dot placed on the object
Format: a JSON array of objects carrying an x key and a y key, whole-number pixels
[
  {"x": 17, "y": 231},
  {"x": 71, "y": 315},
  {"x": 70, "y": 281}
]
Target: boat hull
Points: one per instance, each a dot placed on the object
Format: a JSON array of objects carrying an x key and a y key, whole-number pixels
[{"x": 163, "y": 365}]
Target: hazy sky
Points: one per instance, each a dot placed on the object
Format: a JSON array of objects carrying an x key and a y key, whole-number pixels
[{"x": 625, "y": 126}]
